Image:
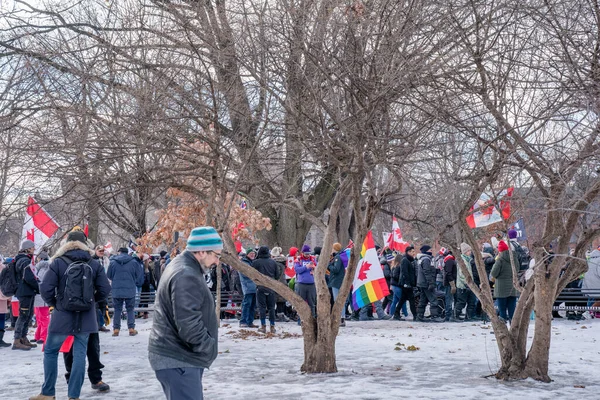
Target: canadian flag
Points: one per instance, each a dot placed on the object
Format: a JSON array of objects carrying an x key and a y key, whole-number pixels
[
  {"x": 108, "y": 247},
  {"x": 394, "y": 239},
  {"x": 484, "y": 212},
  {"x": 39, "y": 225}
]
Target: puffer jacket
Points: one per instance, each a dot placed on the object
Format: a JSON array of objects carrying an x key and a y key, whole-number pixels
[
  {"x": 395, "y": 278},
  {"x": 28, "y": 285},
  {"x": 68, "y": 322},
  {"x": 450, "y": 269},
  {"x": 185, "y": 327},
  {"x": 426, "y": 271},
  {"x": 126, "y": 274},
  {"x": 41, "y": 268}
]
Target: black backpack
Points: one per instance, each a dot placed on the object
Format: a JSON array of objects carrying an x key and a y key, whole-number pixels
[
  {"x": 9, "y": 282},
  {"x": 78, "y": 294},
  {"x": 522, "y": 256}
]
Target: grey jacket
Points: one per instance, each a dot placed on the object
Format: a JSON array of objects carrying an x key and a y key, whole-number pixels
[
  {"x": 185, "y": 328},
  {"x": 427, "y": 271}
]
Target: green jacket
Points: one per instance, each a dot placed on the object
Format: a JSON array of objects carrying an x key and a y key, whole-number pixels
[{"x": 503, "y": 273}]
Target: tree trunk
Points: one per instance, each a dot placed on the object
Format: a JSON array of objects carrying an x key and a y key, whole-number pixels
[
  {"x": 539, "y": 354},
  {"x": 319, "y": 348}
]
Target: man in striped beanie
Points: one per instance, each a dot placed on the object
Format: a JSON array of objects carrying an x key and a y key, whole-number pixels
[{"x": 183, "y": 340}]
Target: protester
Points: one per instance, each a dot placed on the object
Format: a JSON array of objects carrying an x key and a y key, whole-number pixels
[
  {"x": 4, "y": 309},
  {"x": 395, "y": 287},
  {"x": 337, "y": 272},
  {"x": 427, "y": 285},
  {"x": 249, "y": 291},
  {"x": 184, "y": 336},
  {"x": 504, "y": 290},
  {"x": 408, "y": 282},
  {"x": 265, "y": 296},
  {"x": 63, "y": 323},
  {"x": 450, "y": 277},
  {"x": 41, "y": 309},
  {"x": 102, "y": 306},
  {"x": 125, "y": 274},
  {"x": 280, "y": 259},
  {"x": 28, "y": 288},
  {"x": 464, "y": 294},
  {"x": 305, "y": 280}
]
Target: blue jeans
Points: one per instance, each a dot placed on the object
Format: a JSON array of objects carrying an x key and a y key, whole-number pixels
[
  {"x": 181, "y": 383},
  {"x": 507, "y": 304},
  {"x": 397, "y": 296},
  {"x": 336, "y": 292},
  {"x": 51, "y": 348},
  {"x": 129, "y": 306},
  {"x": 248, "y": 308}
]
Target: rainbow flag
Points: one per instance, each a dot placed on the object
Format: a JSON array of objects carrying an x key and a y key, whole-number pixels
[
  {"x": 345, "y": 257},
  {"x": 369, "y": 283}
]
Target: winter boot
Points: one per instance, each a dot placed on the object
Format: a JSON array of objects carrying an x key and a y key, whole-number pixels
[
  {"x": 116, "y": 332},
  {"x": 252, "y": 325},
  {"x": 2, "y": 342},
  {"x": 42, "y": 397},
  {"x": 262, "y": 329},
  {"x": 555, "y": 314},
  {"x": 132, "y": 332},
  {"x": 343, "y": 323},
  {"x": 26, "y": 342},
  {"x": 272, "y": 329},
  {"x": 18, "y": 345},
  {"x": 101, "y": 386}
]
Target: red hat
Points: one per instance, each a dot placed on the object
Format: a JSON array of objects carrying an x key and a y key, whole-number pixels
[
  {"x": 443, "y": 251},
  {"x": 502, "y": 246}
]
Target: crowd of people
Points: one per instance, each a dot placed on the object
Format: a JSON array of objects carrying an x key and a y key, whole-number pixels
[{"x": 67, "y": 293}]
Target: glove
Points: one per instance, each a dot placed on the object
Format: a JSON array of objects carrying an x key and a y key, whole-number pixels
[
  {"x": 406, "y": 286},
  {"x": 431, "y": 287},
  {"x": 453, "y": 287}
]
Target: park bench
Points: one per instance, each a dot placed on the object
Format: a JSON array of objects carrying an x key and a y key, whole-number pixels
[
  {"x": 230, "y": 301},
  {"x": 573, "y": 299}
]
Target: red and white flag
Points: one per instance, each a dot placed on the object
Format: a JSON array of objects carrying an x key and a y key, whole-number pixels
[
  {"x": 394, "y": 240},
  {"x": 108, "y": 247},
  {"x": 39, "y": 225},
  {"x": 484, "y": 212}
]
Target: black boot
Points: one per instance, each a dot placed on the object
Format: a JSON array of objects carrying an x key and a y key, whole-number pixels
[
  {"x": 2, "y": 342},
  {"x": 555, "y": 314}
]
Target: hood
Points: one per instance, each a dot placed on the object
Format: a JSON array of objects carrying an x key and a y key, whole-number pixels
[
  {"x": 263, "y": 252},
  {"x": 486, "y": 255},
  {"x": 77, "y": 251},
  {"x": 449, "y": 257},
  {"x": 423, "y": 255},
  {"x": 280, "y": 259},
  {"x": 21, "y": 256},
  {"x": 123, "y": 258}
]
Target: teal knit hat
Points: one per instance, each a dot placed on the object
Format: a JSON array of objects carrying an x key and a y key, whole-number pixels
[{"x": 204, "y": 238}]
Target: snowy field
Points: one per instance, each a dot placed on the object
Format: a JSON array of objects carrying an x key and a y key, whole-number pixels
[{"x": 451, "y": 362}]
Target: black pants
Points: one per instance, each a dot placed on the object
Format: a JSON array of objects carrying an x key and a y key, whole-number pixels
[
  {"x": 428, "y": 296},
  {"x": 266, "y": 301},
  {"x": 407, "y": 295},
  {"x": 25, "y": 314},
  {"x": 93, "y": 356},
  {"x": 468, "y": 298}
]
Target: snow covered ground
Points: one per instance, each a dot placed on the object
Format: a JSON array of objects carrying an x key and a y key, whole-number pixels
[{"x": 450, "y": 363}]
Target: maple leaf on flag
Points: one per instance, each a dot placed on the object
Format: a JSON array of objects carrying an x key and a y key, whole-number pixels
[{"x": 362, "y": 274}]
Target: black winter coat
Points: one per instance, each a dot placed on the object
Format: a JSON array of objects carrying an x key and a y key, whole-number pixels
[
  {"x": 185, "y": 326},
  {"x": 395, "y": 276},
  {"x": 28, "y": 285},
  {"x": 68, "y": 322},
  {"x": 450, "y": 270},
  {"x": 408, "y": 275},
  {"x": 266, "y": 265}
]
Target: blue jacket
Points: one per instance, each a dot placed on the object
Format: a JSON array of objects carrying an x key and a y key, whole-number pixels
[
  {"x": 337, "y": 272},
  {"x": 126, "y": 274},
  {"x": 303, "y": 273},
  {"x": 68, "y": 322},
  {"x": 248, "y": 285}
]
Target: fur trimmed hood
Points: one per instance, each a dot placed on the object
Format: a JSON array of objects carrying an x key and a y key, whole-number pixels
[{"x": 68, "y": 246}]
